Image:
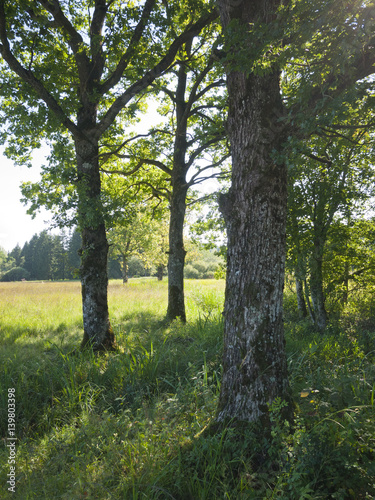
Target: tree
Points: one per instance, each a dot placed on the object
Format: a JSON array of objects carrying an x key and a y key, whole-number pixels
[
  {"x": 28, "y": 255},
  {"x": 16, "y": 254},
  {"x": 7, "y": 261},
  {"x": 42, "y": 257},
  {"x": 330, "y": 180},
  {"x": 110, "y": 54},
  {"x": 254, "y": 360},
  {"x": 15, "y": 274},
  {"x": 188, "y": 148},
  {"x": 262, "y": 38},
  {"x": 141, "y": 235}
]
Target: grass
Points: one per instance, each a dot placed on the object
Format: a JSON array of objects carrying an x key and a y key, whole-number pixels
[{"x": 123, "y": 425}]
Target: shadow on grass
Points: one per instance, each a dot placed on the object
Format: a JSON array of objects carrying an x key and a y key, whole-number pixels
[
  {"x": 78, "y": 408},
  {"x": 54, "y": 381}
]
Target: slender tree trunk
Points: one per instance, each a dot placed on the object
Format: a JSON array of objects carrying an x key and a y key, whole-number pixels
[
  {"x": 93, "y": 271},
  {"x": 307, "y": 296},
  {"x": 176, "y": 257},
  {"x": 301, "y": 303},
  {"x": 316, "y": 286},
  {"x": 345, "y": 294},
  {"x": 160, "y": 272},
  {"x": 125, "y": 276},
  {"x": 254, "y": 361}
]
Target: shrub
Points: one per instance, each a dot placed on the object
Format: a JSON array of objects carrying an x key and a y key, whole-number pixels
[
  {"x": 16, "y": 274},
  {"x": 190, "y": 272}
]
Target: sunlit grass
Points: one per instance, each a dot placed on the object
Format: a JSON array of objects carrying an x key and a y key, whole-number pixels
[{"x": 122, "y": 425}]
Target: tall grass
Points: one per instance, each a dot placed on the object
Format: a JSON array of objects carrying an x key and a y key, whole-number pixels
[{"x": 130, "y": 424}]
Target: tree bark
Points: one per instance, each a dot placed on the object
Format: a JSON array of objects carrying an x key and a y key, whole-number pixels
[
  {"x": 125, "y": 276},
  {"x": 93, "y": 271},
  {"x": 176, "y": 256},
  {"x": 307, "y": 296},
  {"x": 254, "y": 360}
]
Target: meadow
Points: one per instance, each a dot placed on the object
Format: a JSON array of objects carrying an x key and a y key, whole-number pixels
[{"x": 131, "y": 424}]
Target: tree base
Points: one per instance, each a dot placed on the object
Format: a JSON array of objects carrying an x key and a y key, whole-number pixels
[{"x": 107, "y": 345}]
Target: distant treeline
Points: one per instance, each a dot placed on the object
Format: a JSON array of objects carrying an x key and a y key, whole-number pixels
[
  {"x": 44, "y": 257},
  {"x": 56, "y": 257}
]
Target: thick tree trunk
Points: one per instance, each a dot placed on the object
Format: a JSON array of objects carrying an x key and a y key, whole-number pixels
[
  {"x": 93, "y": 271},
  {"x": 176, "y": 257},
  {"x": 254, "y": 361}
]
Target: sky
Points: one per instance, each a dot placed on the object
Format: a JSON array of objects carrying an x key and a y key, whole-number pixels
[{"x": 16, "y": 226}]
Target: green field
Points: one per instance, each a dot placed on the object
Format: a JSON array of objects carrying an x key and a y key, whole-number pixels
[{"x": 130, "y": 424}]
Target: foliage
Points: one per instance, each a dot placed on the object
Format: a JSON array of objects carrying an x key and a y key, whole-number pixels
[
  {"x": 331, "y": 184},
  {"x": 15, "y": 274},
  {"x": 201, "y": 263}
]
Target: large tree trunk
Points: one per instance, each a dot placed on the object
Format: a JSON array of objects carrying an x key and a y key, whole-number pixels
[
  {"x": 176, "y": 257},
  {"x": 254, "y": 361},
  {"x": 93, "y": 271}
]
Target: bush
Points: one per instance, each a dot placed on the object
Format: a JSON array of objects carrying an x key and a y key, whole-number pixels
[
  {"x": 135, "y": 267},
  {"x": 16, "y": 274},
  {"x": 201, "y": 267},
  {"x": 200, "y": 270},
  {"x": 190, "y": 272}
]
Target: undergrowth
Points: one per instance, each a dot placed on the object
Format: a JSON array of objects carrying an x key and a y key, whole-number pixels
[{"x": 135, "y": 424}]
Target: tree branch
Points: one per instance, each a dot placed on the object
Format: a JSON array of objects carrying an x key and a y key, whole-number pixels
[
  {"x": 218, "y": 137},
  {"x": 143, "y": 161},
  {"x": 75, "y": 40},
  {"x": 116, "y": 76},
  {"x": 197, "y": 180},
  {"x": 28, "y": 77},
  {"x": 154, "y": 73}
]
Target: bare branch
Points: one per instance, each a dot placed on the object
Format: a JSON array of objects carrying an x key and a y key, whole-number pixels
[
  {"x": 216, "y": 138},
  {"x": 197, "y": 180},
  {"x": 319, "y": 159},
  {"x": 116, "y": 152}
]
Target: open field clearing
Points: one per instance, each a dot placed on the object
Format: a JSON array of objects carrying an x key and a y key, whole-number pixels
[{"x": 131, "y": 424}]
